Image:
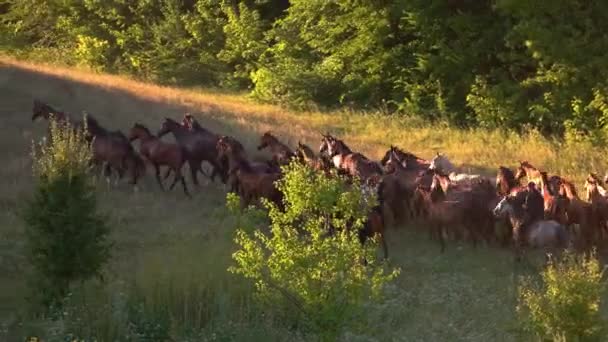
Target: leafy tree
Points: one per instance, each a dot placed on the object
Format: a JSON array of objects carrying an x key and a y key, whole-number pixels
[
  {"x": 67, "y": 239},
  {"x": 304, "y": 267}
]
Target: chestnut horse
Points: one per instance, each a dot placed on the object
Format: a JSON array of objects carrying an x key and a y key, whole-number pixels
[
  {"x": 581, "y": 213},
  {"x": 526, "y": 169},
  {"x": 351, "y": 163},
  {"x": 281, "y": 153},
  {"x": 159, "y": 153},
  {"x": 555, "y": 205},
  {"x": 505, "y": 182}
]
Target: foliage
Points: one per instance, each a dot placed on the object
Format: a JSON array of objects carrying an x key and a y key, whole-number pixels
[
  {"x": 66, "y": 236},
  {"x": 503, "y": 63},
  {"x": 319, "y": 274},
  {"x": 567, "y": 305}
]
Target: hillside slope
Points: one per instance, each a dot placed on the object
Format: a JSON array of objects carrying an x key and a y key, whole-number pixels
[{"x": 172, "y": 253}]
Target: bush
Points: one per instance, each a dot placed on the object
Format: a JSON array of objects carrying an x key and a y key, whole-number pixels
[
  {"x": 319, "y": 276},
  {"x": 567, "y": 305},
  {"x": 66, "y": 237}
]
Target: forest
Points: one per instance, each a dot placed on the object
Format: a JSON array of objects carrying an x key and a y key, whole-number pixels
[{"x": 514, "y": 64}]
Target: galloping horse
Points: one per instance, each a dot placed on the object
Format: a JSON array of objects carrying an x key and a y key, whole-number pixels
[
  {"x": 198, "y": 145},
  {"x": 43, "y": 110},
  {"x": 252, "y": 185},
  {"x": 113, "y": 150},
  {"x": 353, "y": 164},
  {"x": 281, "y": 153},
  {"x": 409, "y": 160},
  {"x": 159, "y": 153}
]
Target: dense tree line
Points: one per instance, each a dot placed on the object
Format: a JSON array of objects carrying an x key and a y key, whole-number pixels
[{"x": 494, "y": 63}]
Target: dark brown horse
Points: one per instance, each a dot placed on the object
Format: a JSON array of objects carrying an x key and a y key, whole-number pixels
[
  {"x": 351, "y": 163},
  {"x": 198, "y": 146},
  {"x": 43, "y": 110},
  {"x": 477, "y": 198},
  {"x": 112, "y": 150},
  {"x": 409, "y": 160},
  {"x": 159, "y": 153},
  {"x": 399, "y": 185},
  {"x": 251, "y": 184},
  {"x": 281, "y": 153}
]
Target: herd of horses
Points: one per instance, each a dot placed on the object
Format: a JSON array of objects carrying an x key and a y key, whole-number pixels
[{"x": 545, "y": 212}]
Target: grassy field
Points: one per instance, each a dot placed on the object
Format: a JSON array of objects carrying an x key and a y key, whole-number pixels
[{"x": 168, "y": 271}]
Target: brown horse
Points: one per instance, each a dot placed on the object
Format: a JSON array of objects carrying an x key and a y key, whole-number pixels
[
  {"x": 476, "y": 197},
  {"x": 555, "y": 205},
  {"x": 399, "y": 185},
  {"x": 409, "y": 160},
  {"x": 599, "y": 202},
  {"x": 306, "y": 156},
  {"x": 526, "y": 169},
  {"x": 251, "y": 184},
  {"x": 281, "y": 153},
  {"x": 506, "y": 182},
  {"x": 351, "y": 163},
  {"x": 580, "y": 213},
  {"x": 113, "y": 150},
  {"x": 159, "y": 153},
  {"x": 198, "y": 146},
  {"x": 43, "y": 110}
]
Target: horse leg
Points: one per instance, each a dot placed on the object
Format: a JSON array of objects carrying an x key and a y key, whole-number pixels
[
  {"x": 194, "y": 167},
  {"x": 167, "y": 173},
  {"x": 107, "y": 172},
  {"x": 180, "y": 177},
  {"x": 384, "y": 246},
  {"x": 157, "y": 172}
]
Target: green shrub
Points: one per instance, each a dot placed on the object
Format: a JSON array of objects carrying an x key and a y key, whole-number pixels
[
  {"x": 66, "y": 236},
  {"x": 301, "y": 268},
  {"x": 566, "y": 307}
]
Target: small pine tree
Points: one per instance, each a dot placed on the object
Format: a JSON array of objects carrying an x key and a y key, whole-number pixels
[
  {"x": 567, "y": 305},
  {"x": 304, "y": 267},
  {"x": 67, "y": 239}
]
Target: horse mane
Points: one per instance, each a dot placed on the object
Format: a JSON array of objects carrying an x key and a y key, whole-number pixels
[
  {"x": 570, "y": 188},
  {"x": 526, "y": 164}
]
